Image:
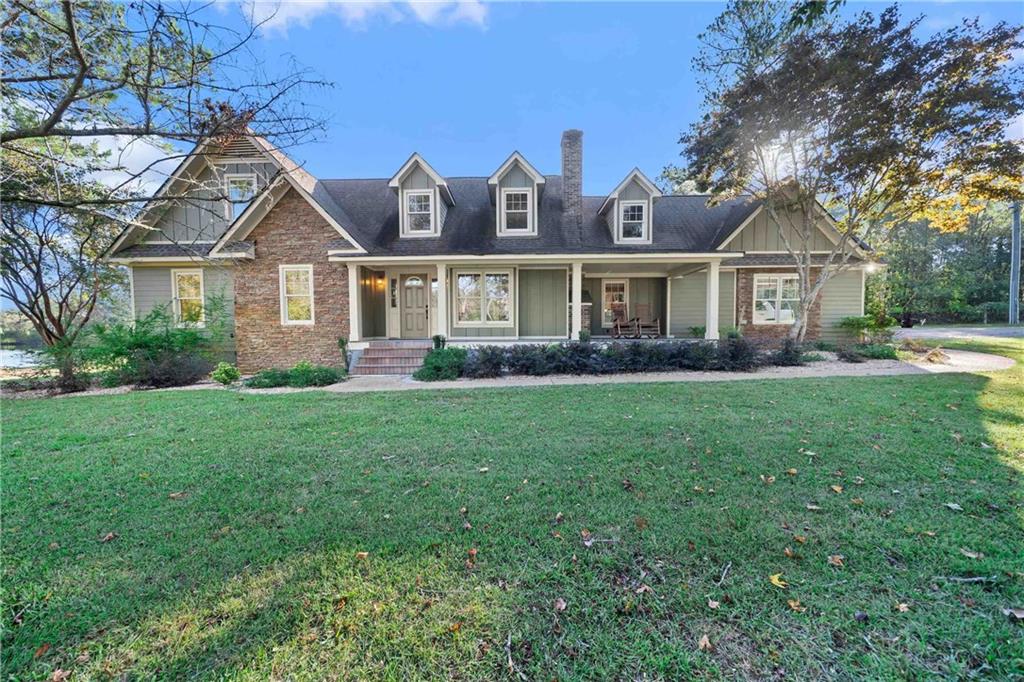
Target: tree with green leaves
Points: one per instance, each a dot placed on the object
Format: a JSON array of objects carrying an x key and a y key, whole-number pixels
[{"x": 868, "y": 120}]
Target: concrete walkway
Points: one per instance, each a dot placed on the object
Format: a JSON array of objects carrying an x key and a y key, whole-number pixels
[
  {"x": 959, "y": 361},
  {"x": 956, "y": 332}
]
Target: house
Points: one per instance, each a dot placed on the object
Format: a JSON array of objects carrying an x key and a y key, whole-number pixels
[{"x": 516, "y": 255}]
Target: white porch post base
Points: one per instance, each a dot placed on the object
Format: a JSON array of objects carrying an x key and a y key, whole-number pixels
[
  {"x": 711, "y": 305},
  {"x": 577, "y": 301},
  {"x": 355, "y": 332}
]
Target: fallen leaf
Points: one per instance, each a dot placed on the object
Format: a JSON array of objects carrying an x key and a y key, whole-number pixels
[
  {"x": 82, "y": 657},
  {"x": 790, "y": 554},
  {"x": 41, "y": 651},
  {"x": 813, "y": 507},
  {"x": 340, "y": 604},
  {"x": 560, "y": 605},
  {"x": 467, "y": 526},
  {"x": 776, "y": 579},
  {"x": 767, "y": 480},
  {"x": 302, "y": 510},
  {"x": 800, "y": 538},
  {"x": 627, "y": 485},
  {"x": 837, "y": 489},
  {"x": 455, "y": 627},
  {"x": 791, "y": 472},
  {"x": 644, "y": 588},
  {"x": 712, "y": 604},
  {"x": 705, "y": 644},
  {"x": 836, "y": 560},
  {"x": 178, "y": 495},
  {"x": 1015, "y": 612},
  {"x": 795, "y": 605},
  {"x": 54, "y": 545},
  {"x": 59, "y": 675},
  {"x": 463, "y": 510},
  {"x": 860, "y": 617},
  {"x": 588, "y": 540},
  {"x": 559, "y": 517},
  {"x": 859, "y": 480},
  {"x": 698, "y": 489},
  {"x": 472, "y": 552},
  {"x": 362, "y": 555},
  {"x": 902, "y": 607},
  {"x": 857, "y": 501},
  {"x": 641, "y": 523},
  {"x": 108, "y": 537},
  {"x": 971, "y": 555},
  {"x": 484, "y": 470},
  {"x": 954, "y": 506}
]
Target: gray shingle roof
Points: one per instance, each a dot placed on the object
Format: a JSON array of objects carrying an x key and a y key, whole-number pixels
[
  {"x": 144, "y": 250},
  {"x": 681, "y": 223}
]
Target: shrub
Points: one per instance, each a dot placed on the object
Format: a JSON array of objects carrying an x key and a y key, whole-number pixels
[
  {"x": 877, "y": 351},
  {"x": 268, "y": 378},
  {"x": 302, "y": 375},
  {"x": 848, "y": 354},
  {"x": 698, "y": 332},
  {"x": 163, "y": 369},
  {"x": 813, "y": 357},
  {"x": 826, "y": 346},
  {"x": 484, "y": 362},
  {"x": 439, "y": 341},
  {"x": 225, "y": 373},
  {"x": 584, "y": 336},
  {"x": 737, "y": 354},
  {"x": 343, "y": 349},
  {"x": 789, "y": 354},
  {"x": 700, "y": 356},
  {"x": 870, "y": 328},
  {"x": 527, "y": 359},
  {"x": 442, "y": 364}
]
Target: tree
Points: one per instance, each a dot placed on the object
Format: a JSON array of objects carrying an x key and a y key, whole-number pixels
[
  {"x": 81, "y": 81},
  {"x": 869, "y": 121}
]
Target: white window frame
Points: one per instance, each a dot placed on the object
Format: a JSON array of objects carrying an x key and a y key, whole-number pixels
[
  {"x": 645, "y": 236},
  {"x": 625, "y": 294},
  {"x": 778, "y": 277},
  {"x": 176, "y": 300},
  {"x": 283, "y": 302},
  {"x": 503, "y": 229},
  {"x": 229, "y": 207},
  {"x": 483, "y": 322},
  {"x": 406, "y": 222}
]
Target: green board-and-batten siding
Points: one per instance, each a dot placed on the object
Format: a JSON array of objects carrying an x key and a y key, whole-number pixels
[
  {"x": 646, "y": 291},
  {"x": 763, "y": 235},
  {"x": 543, "y": 302},
  {"x": 689, "y": 301},
  {"x": 152, "y": 288}
]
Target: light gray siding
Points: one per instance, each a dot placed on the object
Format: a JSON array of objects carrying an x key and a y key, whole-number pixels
[
  {"x": 543, "y": 303},
  {"x": 515, "y": 176},
  {"x": 634, "y": 191},
  {"x": 842, "y": 296},
  {"x": 152, "y": 288},
  {"x": 763, "y": 235},
  {"x": 204, "y": 218},
  {"x": 418, "y": 179},
  {"x": 688, "y": 301}
]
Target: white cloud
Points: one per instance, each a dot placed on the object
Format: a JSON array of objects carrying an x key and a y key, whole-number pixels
[
  {"x": 278, "y": 16},
  {"x": 142, "y": 164}
]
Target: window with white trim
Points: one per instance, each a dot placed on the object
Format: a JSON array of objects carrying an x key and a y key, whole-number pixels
[
  {"x": 296, "y": 294},
  {"x": 239, "y": 189},
  {"x": 419, "y": 212},
  {"x": 188, "y": 297},
  {"x": 483, "y": 298},
  {"x": 516, "y": 212},
  {"x": 776, "y": 298},
  {"x": 633, "y": 215},
  {"x": 614, "y": 305}
]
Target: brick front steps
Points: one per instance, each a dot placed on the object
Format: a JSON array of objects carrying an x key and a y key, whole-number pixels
[{"x": 391, "y": 357}]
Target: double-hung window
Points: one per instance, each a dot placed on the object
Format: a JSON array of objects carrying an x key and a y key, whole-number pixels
[
  {"x": 239, "y": 189},
  {"x": 419, "y": 212},
  {"x": 483, "y": 298},
  {"x": 188, "y": 297},
  {"x": 296, "y": 294},
  {"x": 516, "y": 215},
  {"x": 633, "y": 216},
  {"x": 776, "y": 297}
]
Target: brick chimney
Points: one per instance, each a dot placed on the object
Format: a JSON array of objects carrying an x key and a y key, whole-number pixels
[{"x": 572, "y": 174}]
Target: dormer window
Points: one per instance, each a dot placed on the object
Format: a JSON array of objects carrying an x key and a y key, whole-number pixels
[
  {"x": 516, "y": 216},
  {"x": 419, "y": 212},
  {"x": 634, "y": 220}
]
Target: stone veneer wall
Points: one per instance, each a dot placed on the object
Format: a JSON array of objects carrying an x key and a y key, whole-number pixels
[
  {"x": 745, "y": 309},
  {"x": 293, "y": 233}
]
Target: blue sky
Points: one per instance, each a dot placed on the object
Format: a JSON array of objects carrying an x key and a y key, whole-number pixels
[{"x": 466, "y": 84}]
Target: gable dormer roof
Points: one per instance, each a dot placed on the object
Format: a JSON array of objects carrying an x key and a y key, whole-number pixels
[
  {"x": 641, "y": 179},
  {"x": 516, "y": 158},
  {"x": 417, "y": 161}
]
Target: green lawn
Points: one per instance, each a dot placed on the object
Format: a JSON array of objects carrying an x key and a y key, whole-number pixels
[{"x": 255, "y": 570}]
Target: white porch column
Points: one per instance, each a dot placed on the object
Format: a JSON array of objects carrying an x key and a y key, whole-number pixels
[
  {"x": 355, "y": 332},
  {"x": 577, "y": 301},
  {"x": 711, "y": 305},
  {"x": 442, "y": 299}
]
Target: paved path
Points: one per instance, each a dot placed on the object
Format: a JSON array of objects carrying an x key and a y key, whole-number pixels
[{"x": 955, "y": 332}]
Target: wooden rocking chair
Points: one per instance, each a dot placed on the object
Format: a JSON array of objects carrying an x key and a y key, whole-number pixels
[
  {"x": 645, "y": 325},
  {"x": 623, "y": 328}
]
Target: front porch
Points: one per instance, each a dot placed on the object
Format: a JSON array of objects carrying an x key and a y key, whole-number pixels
[{"x": 483, "y": 300}]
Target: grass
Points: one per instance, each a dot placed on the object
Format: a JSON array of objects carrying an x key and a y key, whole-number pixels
[{"x": 254, "y": 571}]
